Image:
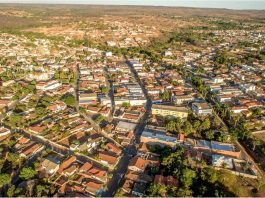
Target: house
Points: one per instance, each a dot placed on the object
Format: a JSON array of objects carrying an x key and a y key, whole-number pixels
[
  {"x": 108, "y": 54},
  {"x": 8, "y": 83},
  {"x": 31, "y": 150},
  {"x": 93, "y": 172},
  {"x": 224, "y": 98},
  {"x": 6, "y": 103},
  {"x": 57, "y": 106},
  {"x": 93, "y": 187},
  {"x": 239, "y": 109},
  {"x": 50, "y": 85},
  {"x": 137, "y": 164},
  {"x": 70, "y": 170},
  {"x": 165, "y": 110},
  {"x": 110, "y": 147},
  {"x": 127, "y": 186},
  {"x": 136, "y": 64},
  {"x": 247, "y": 87},
  {"x": 168, "y": 53},
  {"x": 138, "y": 177},
  {"x": 37, "y": 129},
  {"x": 201, "y": 108},
  {"x": 107, "y": 158},
  {"x": 66, "y": 164},
  {"x": 180, "y": 99},
  {"x": 4, "y": 131},
  {"x": 50, "y": 165}
]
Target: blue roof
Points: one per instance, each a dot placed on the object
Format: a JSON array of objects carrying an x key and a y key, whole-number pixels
[
  {"x": 158, "y": 135},
  {"x": 204, "y": 143},
  {"x": 222, "y": 146}
]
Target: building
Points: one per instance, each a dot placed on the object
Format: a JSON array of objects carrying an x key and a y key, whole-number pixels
[
  {"x": 50, "y": 85},
  {"x": 4, "y": 131},
  {"x": 137, "y": 164},
  {"x": 222, "y": 161},
  {"x": 157, "y": 137},
  {"x": 50, "y": 165},
  {"x": 164, "y": 110},
  {"x": 125, "y": 126},
  {"x": 202, "y": 108}
]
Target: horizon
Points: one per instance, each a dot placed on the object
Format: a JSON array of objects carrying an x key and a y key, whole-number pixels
[{"x": 214, "y": 4}]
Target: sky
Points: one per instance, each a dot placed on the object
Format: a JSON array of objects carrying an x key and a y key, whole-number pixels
[{"x": 230, "y": 4}]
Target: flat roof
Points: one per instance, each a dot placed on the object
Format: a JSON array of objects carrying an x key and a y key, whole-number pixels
[
  {"x": 149, "y": 133},
  {"x": 222, "y": 146},
  {"x": 126, "y": 125},
  {"x": 170, "y": 108}
]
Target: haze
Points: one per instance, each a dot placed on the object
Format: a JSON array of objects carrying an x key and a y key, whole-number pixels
[{"x": 236, "y": 4}]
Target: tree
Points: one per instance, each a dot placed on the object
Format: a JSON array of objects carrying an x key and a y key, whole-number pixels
[
  {"x": 15, "y": 119},
  {"x": 166, "y": 95},
  {"x": 209, "y": 134},
  {"x": 184, "y": 192},
  {"x": 27, "y": 173},
  {"x": 187, "y": 177},
  {"x": 210, "y": 175},
  {"x": 255, "y": 142},
  {"x": 13, "y": 158},
  {"x": 119, "y": 193},
  {"x": 69, "y": 100},
  {"x": 187, "y": 128},
  {"x": 171, "y": 126},
  {"x": 156, "y": 190},
  {"x": 205, "y": 125},
  {"x": 173, "y": 162},
  {"x": 261, "y": 182},
  {"x": 4, "y": 179},
  {"x": 105, "y": 90},
  {"x": 11, "y": 191},
  {"x": 39, "y": 190},
  {"x": 126, "y": 104}
]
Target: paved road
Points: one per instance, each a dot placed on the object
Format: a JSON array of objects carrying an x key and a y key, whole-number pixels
[
  {"x": 129, "y": 151},
  {"x": 111, "y": 92}
]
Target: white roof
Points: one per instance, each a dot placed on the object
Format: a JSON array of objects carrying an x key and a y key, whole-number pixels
[{"x": 126, "y": 126}]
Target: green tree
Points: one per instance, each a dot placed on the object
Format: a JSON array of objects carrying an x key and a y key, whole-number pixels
[
  {"x": 171, "y": 126},
  {"x": 4, "y": 179},
  {"x": 156, "y": 190},
  {"x": 27, "y": 173},
  {"x": 173, "y": 161},
  {"x": 209, "y": 134},
  {"x": 119, "y": 193},
  {"x": 187, "y": 128},
  {"x": 11, "y": 191},
  {"x": 39, "y": 190},
  {"x": 126, "y": 104},
  {"x": 166, "y": 95},
  {"x": 184, "y": 192},
  {"x": 69, "y": 99},
  {"x": 205, "y": 125},
  {"x": 187, "y": 177},
  {"x": 15, "y": 119},
  {"x": 105, "y": 90},
  {"x": 13, "y": 158}
]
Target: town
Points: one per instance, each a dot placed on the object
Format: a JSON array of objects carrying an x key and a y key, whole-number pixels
[{"x": 182, "y": 116}]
